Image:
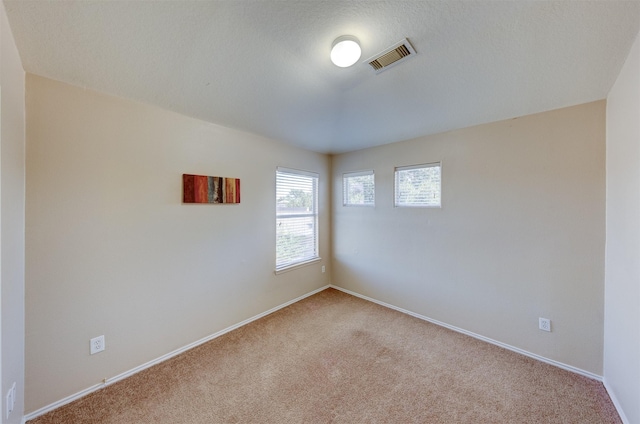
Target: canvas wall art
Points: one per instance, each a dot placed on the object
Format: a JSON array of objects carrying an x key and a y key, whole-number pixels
[{"x": 203, "y": 189}]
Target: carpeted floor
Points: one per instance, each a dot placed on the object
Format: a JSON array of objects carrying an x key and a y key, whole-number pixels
[{"x": 335, "y": 358}]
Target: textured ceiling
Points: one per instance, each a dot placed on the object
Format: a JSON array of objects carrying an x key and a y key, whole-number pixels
[{"x": 263, "y": 66}]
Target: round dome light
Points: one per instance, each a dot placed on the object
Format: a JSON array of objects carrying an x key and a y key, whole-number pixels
[{"x": 345, "y": 51}]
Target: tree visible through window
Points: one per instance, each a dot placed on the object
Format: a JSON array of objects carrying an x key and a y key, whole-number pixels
[
  {"x": 358, "y": 188},
  {"x": 418, "y": 185},
  {"x": 296, "y": 217}
]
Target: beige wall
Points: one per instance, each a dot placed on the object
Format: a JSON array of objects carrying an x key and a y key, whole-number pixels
[
  {"x": 622, "y": 277},
  {"x": 12, "y": 169},
  {"x": 520, "y": 234},
  {"x": 111, "y": 250}
]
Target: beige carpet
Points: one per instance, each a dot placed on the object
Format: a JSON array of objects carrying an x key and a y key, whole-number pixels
[{"x": 334, "y": 358}]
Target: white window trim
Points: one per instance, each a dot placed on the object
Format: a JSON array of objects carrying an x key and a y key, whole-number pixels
[
  {"x": 291, "y": 266},
  {"x": 409, "y": 167},
  {"x": 298, "y": 171},
  {"x": 297, "y": 265},
  {"x": 358, "y": 174}
]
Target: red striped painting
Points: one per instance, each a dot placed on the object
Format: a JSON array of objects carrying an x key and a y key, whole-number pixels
[{"x": 203, "y": 189}]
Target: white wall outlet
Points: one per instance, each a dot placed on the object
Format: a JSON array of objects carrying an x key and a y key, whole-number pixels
[
  {"x": 544, "y": 324},
  {"x": 323, "y": 269},
  {"x": 97, "y": 344},
  {"x": 11, "y": 400}
]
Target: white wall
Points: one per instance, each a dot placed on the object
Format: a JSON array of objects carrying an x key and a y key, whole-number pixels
[
  {"x": 12, "y": 169},
  {"x": 520, "y": 234},
  {"x": 112, "y": 250},
  {"x": 622, "y": 294}
]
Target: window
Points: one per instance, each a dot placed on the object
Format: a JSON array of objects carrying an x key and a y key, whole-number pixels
[
  {"x": 296, "y": 217},
  {"x": 358, "y": 189},
  {"x": 418, "y": 185}
]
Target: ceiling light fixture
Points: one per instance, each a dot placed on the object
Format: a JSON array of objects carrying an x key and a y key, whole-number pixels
[{"x": 345, "y": 51}]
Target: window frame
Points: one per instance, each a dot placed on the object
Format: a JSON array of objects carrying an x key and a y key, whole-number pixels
[
  {"x": 346, "y": 176},
  {"x": 283, "y": 266},
  {"x": 396, "y": 182}
]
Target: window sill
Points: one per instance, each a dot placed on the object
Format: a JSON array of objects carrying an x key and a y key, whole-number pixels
[{"x": 298, "y": 265}]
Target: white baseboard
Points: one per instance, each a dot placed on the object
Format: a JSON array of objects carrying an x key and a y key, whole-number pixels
[
  {"x": 616, "y": 403},
  {"x": 476, "y": 336},
  {"x": 162, "y": 358},
  {"x": 176, "y": 352}
]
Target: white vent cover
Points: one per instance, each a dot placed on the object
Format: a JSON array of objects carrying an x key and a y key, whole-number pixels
[{"x": 395, "y": 54}]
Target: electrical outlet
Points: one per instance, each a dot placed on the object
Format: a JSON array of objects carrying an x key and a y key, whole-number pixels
[
  {"x": 323, "y": 269},
  {"x": 544, "y": 324},
  {"x": 97, "y": 344}
]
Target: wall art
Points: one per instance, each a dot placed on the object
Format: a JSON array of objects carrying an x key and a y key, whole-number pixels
[{"x": 203, "y": 189}]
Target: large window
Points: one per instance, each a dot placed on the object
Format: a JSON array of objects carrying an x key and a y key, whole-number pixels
[
  {"x": 418, "y": 185},
  {"x": 296, "y": 217},
  {"x": 358, "y": 189}
]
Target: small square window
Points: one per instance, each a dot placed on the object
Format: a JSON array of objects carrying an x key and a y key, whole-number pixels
[
  {"x": 418, "y": 185},
  {"x": 358, "y": 189}
]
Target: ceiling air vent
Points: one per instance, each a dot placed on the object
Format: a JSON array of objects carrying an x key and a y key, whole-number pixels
[{"x": 395, "y": 54}]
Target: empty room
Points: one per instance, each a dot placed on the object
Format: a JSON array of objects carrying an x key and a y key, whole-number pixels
[{"x": 299, "y": 211}]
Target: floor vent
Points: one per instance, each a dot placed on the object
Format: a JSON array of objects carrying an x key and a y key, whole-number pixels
[{"x": 395, "y": 54}]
